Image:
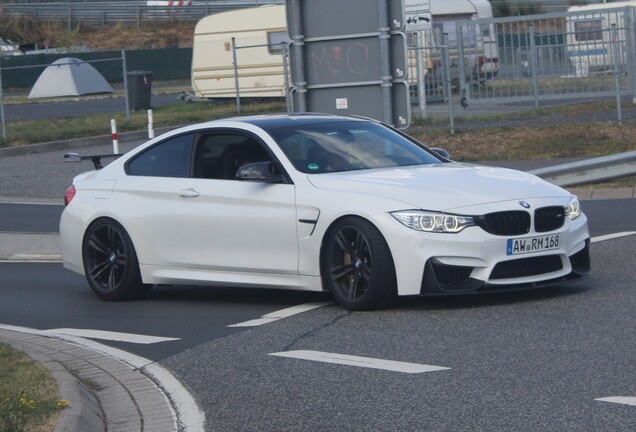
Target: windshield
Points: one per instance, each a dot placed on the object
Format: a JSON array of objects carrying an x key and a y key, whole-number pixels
[{"x": 343, "y": 146}]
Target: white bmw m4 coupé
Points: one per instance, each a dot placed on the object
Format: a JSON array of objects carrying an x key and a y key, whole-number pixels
[{"x": 320, "y": 203}]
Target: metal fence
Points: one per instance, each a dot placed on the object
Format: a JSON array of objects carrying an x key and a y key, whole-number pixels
[
  {"x": 135, "y": 11},
  {"x": 534, "y": 61},
  {"x": 430, "y": 80},
  {"x": 555, "y": 56},
  {"x": 503, "y": 65},
  {"x": 66, "y": 77}
]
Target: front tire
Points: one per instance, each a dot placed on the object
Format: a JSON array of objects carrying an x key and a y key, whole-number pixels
[
  {"x": 357, "y": 265},
  {"x": 110, "y": 262}
]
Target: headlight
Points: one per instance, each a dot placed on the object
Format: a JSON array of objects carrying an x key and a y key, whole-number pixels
[
  {"x": 433, "y": 222},
  {"x": 573, "y": 209}
]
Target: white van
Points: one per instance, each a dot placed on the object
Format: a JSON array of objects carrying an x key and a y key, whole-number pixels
[
  {"x": 259, "y": 32},
  {"x": 596, "y": 36}
]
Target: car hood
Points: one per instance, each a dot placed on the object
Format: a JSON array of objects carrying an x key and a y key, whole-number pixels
[{"x": 440, "y": 187}]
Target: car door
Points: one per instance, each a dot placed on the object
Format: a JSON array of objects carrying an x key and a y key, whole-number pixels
[
  {"x": 146, "y": 196},
  {"x": 224, "y": 224}
]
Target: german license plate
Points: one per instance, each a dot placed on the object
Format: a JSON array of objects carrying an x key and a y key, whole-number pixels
[{"x": 533, "y": 244}]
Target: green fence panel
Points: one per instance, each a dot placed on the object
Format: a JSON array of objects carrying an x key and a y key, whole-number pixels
[
  {"x": 165, "y": 63},
  {"x": 21, "y": 72}
]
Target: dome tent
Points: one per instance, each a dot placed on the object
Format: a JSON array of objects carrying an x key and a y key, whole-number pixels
[{"x": 69, "y": 76}]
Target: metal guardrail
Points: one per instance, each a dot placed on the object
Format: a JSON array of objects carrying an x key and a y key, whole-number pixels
[
  {"x": 124, "y": 11},
  {"x": 590, "y": 170}
]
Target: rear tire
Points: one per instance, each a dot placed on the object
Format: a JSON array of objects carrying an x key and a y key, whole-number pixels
[
  {"x": 110, "y": 262},
  {"x": 357, "y": 265}
]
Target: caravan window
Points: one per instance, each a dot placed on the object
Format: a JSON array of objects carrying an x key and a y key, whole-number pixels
[
  {"x": 274, "y": 39},
  {"x": 448, "y": 27},
  {"x": 590, "y": 30}
]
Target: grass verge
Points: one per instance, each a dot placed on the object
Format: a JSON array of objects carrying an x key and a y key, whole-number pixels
[
  {"x": 29, "y": 398},
  {"x": 522, "y": 143},
  {"x": 53, "y": 129},
  {"x": 566, "y": 140}
]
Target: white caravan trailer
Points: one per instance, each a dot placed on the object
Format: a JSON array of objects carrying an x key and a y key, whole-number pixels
[
  {"x": 259, "y": 32},
  {"x": 597, "y": 36},
  {"x": 260, "y": 67}
]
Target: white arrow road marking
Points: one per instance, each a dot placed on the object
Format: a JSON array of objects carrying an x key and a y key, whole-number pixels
[
  {"x": 368, "y": 362},
  {"x": 283, "y": 313},
  {"x": 108, "y": 335},
  {"x": 612, "y": 236},
  {"x": 623, "y": 400}
]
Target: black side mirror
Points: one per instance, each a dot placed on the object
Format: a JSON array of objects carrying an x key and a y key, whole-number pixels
[{"x": 259, "y": 171}]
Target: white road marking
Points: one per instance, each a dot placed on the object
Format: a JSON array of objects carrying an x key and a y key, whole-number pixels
[
  {"x": 191, "y": 418},
  {"x": 612, "y": 236},
  {"x": 110, "y": 336},
  {"x": 41, "y": 202},
  {"x": 368, "y": 362},
  {"x": 283, "y": 313},
  {"x": 34, "y": 258},
  {"x": 623, "y": 400}
]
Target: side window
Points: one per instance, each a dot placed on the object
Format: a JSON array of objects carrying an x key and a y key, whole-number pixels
[
  {"x": 169, "y": 158},
  {"x": 220, "y": 155},
  {"x": 590, "y": 30}
]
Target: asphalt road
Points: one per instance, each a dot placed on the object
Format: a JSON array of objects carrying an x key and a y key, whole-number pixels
[
  {"x": 533, "y": 361},
  {"x": 46, "y": 175},
  {"x": 529, "y": 361},
  {"x": 47, "y": 296}
]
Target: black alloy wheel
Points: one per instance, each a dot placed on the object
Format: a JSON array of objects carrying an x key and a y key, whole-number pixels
[
  {"x": 110, "y": 262},
  {"x": 357, "y": 265}
]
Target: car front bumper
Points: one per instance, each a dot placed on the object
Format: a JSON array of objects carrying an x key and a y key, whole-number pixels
[{"x": 476, "y": 261}]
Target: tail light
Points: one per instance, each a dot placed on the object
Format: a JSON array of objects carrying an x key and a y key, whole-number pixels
[{"x": 69, "y": 195}]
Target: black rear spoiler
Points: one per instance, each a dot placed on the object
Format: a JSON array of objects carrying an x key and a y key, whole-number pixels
[{"x": 96, "y": 159}]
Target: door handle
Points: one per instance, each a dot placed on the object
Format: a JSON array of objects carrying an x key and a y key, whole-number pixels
[{"x": 188, "y": 193}]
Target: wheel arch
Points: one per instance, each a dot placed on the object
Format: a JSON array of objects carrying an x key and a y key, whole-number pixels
[
  {"x": 100, "y": 218},
  {"x": 109, "y": 217},
  {"x": 332, "y": 224},
  {"x": 330, "y": 229},
  {"x": 335, "y": 225},
  {"x": 114, "y": 255}
]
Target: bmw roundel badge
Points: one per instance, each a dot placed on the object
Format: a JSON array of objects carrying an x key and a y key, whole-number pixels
[{"x": 524, "y": 204}]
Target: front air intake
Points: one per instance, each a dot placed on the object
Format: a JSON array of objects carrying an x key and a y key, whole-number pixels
[{"x": 525, "y": 267}]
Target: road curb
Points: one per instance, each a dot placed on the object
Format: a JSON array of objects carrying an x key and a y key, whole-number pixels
[
  {"x": 105, "y": 393},
  {"x": 84, "y": 411}
]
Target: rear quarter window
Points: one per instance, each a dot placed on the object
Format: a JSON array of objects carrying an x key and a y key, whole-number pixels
[{"x": 169, "y": 158}]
